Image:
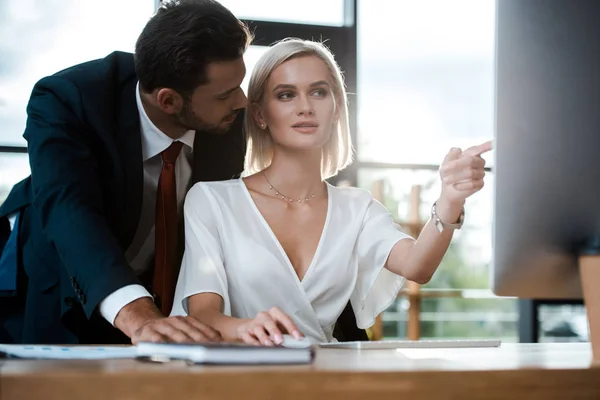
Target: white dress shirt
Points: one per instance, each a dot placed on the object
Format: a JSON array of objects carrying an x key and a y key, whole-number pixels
[
  {"x": 140, "y": 253},
  {"x": 230, "y": 250}
]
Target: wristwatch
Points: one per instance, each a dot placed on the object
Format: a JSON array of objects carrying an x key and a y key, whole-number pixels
[{"x": 441, "y": 224}]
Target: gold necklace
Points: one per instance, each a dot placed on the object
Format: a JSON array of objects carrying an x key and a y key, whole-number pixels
[{"x": 284, "y": 197}]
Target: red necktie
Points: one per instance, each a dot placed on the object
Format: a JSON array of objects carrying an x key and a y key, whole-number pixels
[{"x": 166, "y": 229}]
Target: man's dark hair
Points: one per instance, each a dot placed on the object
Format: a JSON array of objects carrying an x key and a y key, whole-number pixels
[{"x": 181, "y": 39}]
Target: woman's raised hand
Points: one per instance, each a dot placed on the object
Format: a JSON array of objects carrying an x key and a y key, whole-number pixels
[{"x": 462, "y": 173}]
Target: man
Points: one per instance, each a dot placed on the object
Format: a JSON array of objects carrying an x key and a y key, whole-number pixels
[{"x": 114, "y": 144}]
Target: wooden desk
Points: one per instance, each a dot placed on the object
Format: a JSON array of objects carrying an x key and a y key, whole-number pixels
[{"x": 544, "y": 371}]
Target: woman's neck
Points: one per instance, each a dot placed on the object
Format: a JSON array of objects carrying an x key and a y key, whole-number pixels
[{"x": 295, "y": 175}]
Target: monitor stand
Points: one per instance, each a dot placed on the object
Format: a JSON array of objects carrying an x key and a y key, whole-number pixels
[{"x": 589, "y": 270}]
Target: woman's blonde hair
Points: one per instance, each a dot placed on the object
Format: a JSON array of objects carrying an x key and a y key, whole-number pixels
[{"x": 337, "y": 152}]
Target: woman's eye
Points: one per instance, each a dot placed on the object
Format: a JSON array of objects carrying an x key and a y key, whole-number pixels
[
  {"x": 320, "y": 92},
  {"x": 285, "y": 96}
]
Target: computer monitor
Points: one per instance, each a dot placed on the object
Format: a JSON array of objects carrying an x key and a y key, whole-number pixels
[{"x": 547, "y": 150}]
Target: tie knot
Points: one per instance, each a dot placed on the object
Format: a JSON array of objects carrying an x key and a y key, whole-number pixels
[{"x": 169, "y": 155}]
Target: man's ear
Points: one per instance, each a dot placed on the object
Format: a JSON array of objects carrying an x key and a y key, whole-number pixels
[
  {"x": 169, "y": 101},
  {"x": 257, "y": 115}
]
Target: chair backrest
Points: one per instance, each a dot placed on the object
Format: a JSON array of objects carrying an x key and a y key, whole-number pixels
[{"x": 345, "y": 329}]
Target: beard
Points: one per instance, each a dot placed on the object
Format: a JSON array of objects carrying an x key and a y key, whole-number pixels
[{"x": 190, "y": 121}]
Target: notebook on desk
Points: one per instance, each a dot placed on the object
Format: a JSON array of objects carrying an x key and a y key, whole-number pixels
[
  {"x": 413, "y": 344},
  {"x": 224, "y": 353},
  {"x": 162, "y": 352}
]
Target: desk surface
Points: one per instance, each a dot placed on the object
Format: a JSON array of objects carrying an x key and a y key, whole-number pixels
[{"x": 516, "y": 371}]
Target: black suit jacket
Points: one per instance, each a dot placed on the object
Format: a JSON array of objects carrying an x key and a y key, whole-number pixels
[{"x": 80, "y": 207}]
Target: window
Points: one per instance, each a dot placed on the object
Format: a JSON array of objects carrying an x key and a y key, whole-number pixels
[
  {"x": 250, "y": 59},
  {"x": 563, "y": 323},
  {"x": 456, "y": 318},
  {"x": 316, "y": 12},
  {"x": 426, "y": 84},
  {"x": 39, "y": 38},
  {"x": 13, "y": 168},
  {"x": 425, "y": 80}
]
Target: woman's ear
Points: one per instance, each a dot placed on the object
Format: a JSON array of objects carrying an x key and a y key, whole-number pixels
[{"x": 258, "y": 116}]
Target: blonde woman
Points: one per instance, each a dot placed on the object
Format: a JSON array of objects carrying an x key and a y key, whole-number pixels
[{"x": 281, "y": 251}]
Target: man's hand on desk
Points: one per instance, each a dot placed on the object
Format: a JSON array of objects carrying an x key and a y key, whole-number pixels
[{"x": 143, "y": 322}]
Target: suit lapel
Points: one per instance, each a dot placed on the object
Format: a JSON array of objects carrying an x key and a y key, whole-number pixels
[{"x": 129, "y": 142}]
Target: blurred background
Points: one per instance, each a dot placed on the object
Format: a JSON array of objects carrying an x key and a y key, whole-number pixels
[{"x": 421, "y": 80}]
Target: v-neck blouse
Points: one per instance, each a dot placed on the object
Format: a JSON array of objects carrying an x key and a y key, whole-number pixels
[
  {"x": 276, "y": 241},
  {"x": 230, "y": 250}
]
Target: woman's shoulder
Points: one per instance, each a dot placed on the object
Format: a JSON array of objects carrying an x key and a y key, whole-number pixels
[
  {"x": 352, "y": 194},
  {"x": 221, "y": 191},
  {"x": 215, "y": 187},
  {"x": 351, "y": 198}
]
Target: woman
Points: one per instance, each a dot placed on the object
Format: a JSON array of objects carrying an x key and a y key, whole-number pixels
[{"x": 282, "y": 251}]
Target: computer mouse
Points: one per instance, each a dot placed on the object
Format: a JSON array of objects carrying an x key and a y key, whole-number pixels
[{"x": 290, "y": 342}]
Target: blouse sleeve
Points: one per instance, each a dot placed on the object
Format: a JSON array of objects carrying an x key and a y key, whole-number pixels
[
  {"x": 202, "y": 267},
  {"x": 376, "y": 287}
]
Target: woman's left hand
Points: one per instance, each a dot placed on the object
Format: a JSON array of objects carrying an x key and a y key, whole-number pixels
[{"x": 462, "y": 173}]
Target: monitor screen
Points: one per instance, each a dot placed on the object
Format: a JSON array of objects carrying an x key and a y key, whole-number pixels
[{"x": 547, "y": 142}]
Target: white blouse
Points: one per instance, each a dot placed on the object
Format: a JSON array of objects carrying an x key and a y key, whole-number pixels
[{"x": 230, "y": 250}]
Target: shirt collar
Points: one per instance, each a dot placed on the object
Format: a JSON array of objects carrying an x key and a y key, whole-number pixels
[{"x": 154, "y": 141}]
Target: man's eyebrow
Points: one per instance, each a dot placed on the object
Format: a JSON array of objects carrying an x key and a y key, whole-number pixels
[
  {"x": 287, "y": 86},
  {"x": 227, "y": 92}
]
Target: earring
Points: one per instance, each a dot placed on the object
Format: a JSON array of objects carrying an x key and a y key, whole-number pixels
[{"x": 263, "y": 126}]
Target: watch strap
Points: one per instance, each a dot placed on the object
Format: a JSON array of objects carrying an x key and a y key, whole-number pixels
[{"x": 441, "y": 225}]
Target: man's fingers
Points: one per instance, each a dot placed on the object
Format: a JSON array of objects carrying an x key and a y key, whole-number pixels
[
  {"x": 178, "y": 330},
  {"x": 181, "y": 330},
  {"x": 156, "y": 337},
  {"x": 149, "y": 335},
  {"x": 286, "y": 322},
  {"x": 211, "y": 333},
  {"x": 175, "y": 330},
  {"x": 194, "y": 329},
  {"x": 479, "y": 149}
]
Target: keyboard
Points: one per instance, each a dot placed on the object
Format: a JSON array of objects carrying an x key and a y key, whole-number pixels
[{"x": 413, "y": 344}]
